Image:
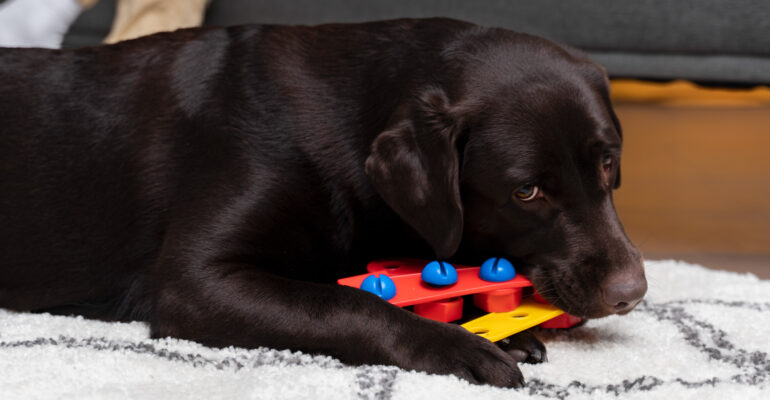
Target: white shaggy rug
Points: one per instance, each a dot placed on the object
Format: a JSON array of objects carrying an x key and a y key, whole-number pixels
[{"x": 700, "y": 334}]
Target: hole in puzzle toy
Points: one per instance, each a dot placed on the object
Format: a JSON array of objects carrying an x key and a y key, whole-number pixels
[
  {"x": 519, "y": 315},
  {"x": 392, "y": 266},
  {"x": 480, "y": 331}
]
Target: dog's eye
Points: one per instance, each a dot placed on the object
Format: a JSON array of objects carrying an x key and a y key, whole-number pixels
[
  {"x": 608, "y": 161},
  {"x": 527, "y": 192}
]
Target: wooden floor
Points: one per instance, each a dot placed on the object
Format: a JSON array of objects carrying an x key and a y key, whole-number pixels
[{"x": 696, "y": 178}]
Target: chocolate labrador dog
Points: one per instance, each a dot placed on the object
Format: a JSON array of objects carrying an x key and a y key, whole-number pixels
[{"x": 217, "y": 182}]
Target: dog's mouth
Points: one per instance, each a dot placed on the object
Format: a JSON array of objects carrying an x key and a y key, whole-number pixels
[
  {"x": 556, "y": 296},
  {"x": 574, "y": 299},
  {"x": 546, "y": 287}
]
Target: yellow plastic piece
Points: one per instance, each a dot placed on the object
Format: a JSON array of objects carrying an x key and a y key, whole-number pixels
[{"x": 498, "y": 326}]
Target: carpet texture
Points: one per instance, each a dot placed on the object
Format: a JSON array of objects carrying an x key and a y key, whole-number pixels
[{"x": 699, "y": 334}]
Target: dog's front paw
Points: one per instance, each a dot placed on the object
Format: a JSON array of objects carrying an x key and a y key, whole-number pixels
[
  {"x": 524, "y": 347},
  {"x": 450, "y": 349}
]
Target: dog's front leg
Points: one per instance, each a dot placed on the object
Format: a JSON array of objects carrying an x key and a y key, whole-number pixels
[{"x": 232, "y": 304}]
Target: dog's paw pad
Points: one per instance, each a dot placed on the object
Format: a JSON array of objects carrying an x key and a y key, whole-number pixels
[{"x": 524, "y": 347}]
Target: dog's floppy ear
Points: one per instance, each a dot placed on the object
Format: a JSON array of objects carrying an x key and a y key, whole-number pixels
[{"x": 414, "y": 166}]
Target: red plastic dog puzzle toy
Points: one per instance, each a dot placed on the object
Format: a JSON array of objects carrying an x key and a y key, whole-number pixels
[{"x": 401, "y": 282}]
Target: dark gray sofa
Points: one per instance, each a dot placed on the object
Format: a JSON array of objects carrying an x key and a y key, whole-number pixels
[{"x": 722, "y": 42}]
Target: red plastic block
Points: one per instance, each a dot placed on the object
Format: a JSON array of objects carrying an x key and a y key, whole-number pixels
[
  {"x": 538, "y": 298},
  {"x": 562, "y": 321},
  {"x": 446, "y": 310},
  {"x": 501, "y": 300},
  {"x": 410, "y": 289}
]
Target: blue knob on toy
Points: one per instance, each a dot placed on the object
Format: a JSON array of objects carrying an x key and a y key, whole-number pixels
[
  {"x": 497, "y": 270},
  {"x": 439, "y": 273},
  {"x": 381, "y": 285}
]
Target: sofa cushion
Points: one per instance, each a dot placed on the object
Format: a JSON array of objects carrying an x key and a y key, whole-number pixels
[{"x": 715, "y": 41}]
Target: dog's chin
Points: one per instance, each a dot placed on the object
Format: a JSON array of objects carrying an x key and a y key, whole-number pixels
[
  {"x": 580, "y": 309},
  {"x": 584, "y": 309}
]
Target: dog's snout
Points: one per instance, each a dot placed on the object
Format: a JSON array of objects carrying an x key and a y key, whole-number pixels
[{"x": 623, "y": 292}]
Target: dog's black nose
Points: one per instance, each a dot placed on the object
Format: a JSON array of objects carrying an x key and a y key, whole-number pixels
[{"x": 623, "y": 291}]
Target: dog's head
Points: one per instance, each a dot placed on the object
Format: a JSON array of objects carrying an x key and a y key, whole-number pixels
[{"x": 514, "y": 151}]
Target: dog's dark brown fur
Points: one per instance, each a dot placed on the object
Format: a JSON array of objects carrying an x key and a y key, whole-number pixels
[{"x": 216, "y": 183}]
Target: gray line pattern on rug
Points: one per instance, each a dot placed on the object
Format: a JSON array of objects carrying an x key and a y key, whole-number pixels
[
  {"x": 754, "y": 364},
  {"x": 376, "y": 382}
]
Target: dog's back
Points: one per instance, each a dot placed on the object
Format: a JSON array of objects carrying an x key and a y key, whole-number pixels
[
  {"x": 88, "y": 143},
  {"x": 96, "y": 142},
  {"x": 70, "y": 204}
]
